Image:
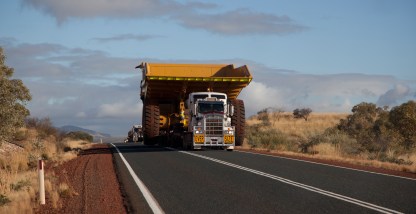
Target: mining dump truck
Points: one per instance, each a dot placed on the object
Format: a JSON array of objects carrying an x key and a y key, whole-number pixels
[
  {"x": 193, "y": 105},
  {"x": 135, "y": 134}
]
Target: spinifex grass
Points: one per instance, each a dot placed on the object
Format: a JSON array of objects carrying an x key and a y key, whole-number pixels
[{"x": 319, "y": 138}]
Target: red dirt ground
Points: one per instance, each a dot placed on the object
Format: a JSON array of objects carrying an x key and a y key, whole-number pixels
[{"x": 94, "y": 183}]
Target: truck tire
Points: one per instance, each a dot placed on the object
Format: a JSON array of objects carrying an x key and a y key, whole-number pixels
[
  {"x": 238, "y": 120},
  {"x": 151, "y": 120}
]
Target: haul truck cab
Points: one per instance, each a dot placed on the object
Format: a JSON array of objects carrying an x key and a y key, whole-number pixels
[
  {"x": 193, "y": 105},
  {"x": 210, "y": 121}
]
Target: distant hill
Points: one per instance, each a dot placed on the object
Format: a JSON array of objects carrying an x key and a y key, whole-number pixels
[{"x": 95, "y": 134}]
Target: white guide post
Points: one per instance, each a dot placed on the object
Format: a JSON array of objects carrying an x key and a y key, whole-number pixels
[{"x": 41, "y": 181}]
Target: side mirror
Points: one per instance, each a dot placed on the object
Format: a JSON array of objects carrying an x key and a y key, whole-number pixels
[
  {"x": 230, "y": 109},
  {"x": 194, "y": 109}
]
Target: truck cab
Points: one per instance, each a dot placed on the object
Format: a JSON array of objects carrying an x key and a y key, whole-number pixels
[
  {"x": 210, "y": 120},
  {"x": 135, "y": 134}
]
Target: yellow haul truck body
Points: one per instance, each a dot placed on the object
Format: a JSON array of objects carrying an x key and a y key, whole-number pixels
[{"x": 193, "y": 105}]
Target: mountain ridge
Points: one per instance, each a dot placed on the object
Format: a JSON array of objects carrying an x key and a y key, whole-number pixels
[{"x": 95, "y": 134}]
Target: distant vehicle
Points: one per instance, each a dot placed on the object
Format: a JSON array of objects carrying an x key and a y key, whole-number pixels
[
  {"x": 193, "y": 105},
  {"x": 135, "y": 134}
]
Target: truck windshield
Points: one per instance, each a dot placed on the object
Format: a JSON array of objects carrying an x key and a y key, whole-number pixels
[{"x": 211, "y": 107}]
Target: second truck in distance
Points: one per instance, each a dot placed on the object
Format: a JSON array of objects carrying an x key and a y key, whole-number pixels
[{"x": 193, "y": 105}]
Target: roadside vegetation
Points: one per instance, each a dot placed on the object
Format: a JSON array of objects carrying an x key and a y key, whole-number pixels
[
  {"x": 370, "y": 135},
  {"x": 19, "y": 188},
  {"x": 25, "y": 140}
]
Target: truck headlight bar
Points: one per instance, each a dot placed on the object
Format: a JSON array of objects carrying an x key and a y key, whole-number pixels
[
  {"x": 198, "y": 130},
  {"x": 229, "y": 131}
]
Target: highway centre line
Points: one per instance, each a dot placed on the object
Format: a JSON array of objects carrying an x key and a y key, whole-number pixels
[
  {"x": 154, "y": 205},
  {"x": 300, "y": 185}
]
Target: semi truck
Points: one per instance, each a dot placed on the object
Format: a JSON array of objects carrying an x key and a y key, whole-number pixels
[
  {"x": 135, "y": 134},
  {"x": 193, "y": 105}
]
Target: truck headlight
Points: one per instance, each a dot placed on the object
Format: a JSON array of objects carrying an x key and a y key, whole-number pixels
[
  {"x": 199, "y": 130},
  {"x": 229, "y": 132}
]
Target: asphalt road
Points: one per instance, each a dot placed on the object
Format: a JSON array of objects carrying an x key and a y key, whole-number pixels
[{"x": 216, "y": 181}]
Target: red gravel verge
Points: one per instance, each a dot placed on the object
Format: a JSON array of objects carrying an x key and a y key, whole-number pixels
[{"x": 94, "y": 182}]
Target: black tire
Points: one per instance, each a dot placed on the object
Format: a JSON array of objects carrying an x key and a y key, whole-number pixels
[
  {"x": 238, "y": 120},
  {"x": 151, "y": 120}
]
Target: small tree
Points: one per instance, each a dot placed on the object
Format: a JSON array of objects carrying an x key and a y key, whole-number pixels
[
  {"x": 302, "y": 113},
  {"x": 13, "y": 98},
  {"x": 44, "y": 126}
]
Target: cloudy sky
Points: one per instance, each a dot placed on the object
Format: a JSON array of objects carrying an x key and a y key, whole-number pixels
[{"x": 78, "y": 57}]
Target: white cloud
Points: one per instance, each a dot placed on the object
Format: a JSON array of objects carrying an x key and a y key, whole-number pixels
[
  {"x": 64, "y": 9},
  {"x": 81, "y": 114},
  {"x": 119, "y": 110},
  {"x": 392, "y": 96},
  {"x": 123, "y": 37},
  {"x": 258, "y": 96},
  {"x": 322, "y": 93},
  {"x": 240, "y": 21},
  {"x": 60, "y": 100}
]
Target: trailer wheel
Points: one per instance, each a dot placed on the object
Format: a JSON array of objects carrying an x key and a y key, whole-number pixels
[
  {"x": 239, "y": 121},
  {"x": 151, "y": 120}
]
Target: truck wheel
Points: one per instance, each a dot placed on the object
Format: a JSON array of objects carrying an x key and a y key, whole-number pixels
[
  {"x": 151, "y": 120},
  {"x": 239, "y": 121}
]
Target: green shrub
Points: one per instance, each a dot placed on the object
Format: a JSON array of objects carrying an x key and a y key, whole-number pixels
[
  {"x": 265, "y": 137},
  {"x": 403, "y": 118},
  {"x": 377, "y": 130},
  {"x": 20, "y": 185},
  {"x": 4, "y": 200},
  {"x": 346, "y": 144}
]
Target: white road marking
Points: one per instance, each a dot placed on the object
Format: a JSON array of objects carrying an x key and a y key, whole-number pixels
[
  {"x": 324, "y": 164},
  {"x": 154, "y": 205},
  {"x": 300, "y": 185}
]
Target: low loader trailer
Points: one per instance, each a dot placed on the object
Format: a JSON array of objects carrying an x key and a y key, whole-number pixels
[{"x": 193, "y": 105}]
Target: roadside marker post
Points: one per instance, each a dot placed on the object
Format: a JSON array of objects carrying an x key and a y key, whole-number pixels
[{"x": 41, "y": 181}]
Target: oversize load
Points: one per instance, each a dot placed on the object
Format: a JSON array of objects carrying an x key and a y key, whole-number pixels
[{"x": 167, "y": 81}]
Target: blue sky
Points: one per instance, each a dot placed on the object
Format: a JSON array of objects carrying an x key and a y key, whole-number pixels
[{"x": 78, "y": 57}]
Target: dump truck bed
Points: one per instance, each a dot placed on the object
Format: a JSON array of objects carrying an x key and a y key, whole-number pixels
[{"x": 167, "y": 81}]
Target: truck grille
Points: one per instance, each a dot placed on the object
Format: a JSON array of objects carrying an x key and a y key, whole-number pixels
[{"x": 214, "y": 126}]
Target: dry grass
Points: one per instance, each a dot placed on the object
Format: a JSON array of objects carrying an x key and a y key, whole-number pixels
[
  {"x": 20, "y": 189},
  {"x": 299, "y": 130},
  {"x": 333, "y": 152},
  {"x": 71, "y": 147},
  {"x": 19, "y": 176},
  {"x": 76, "y": 144}
]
